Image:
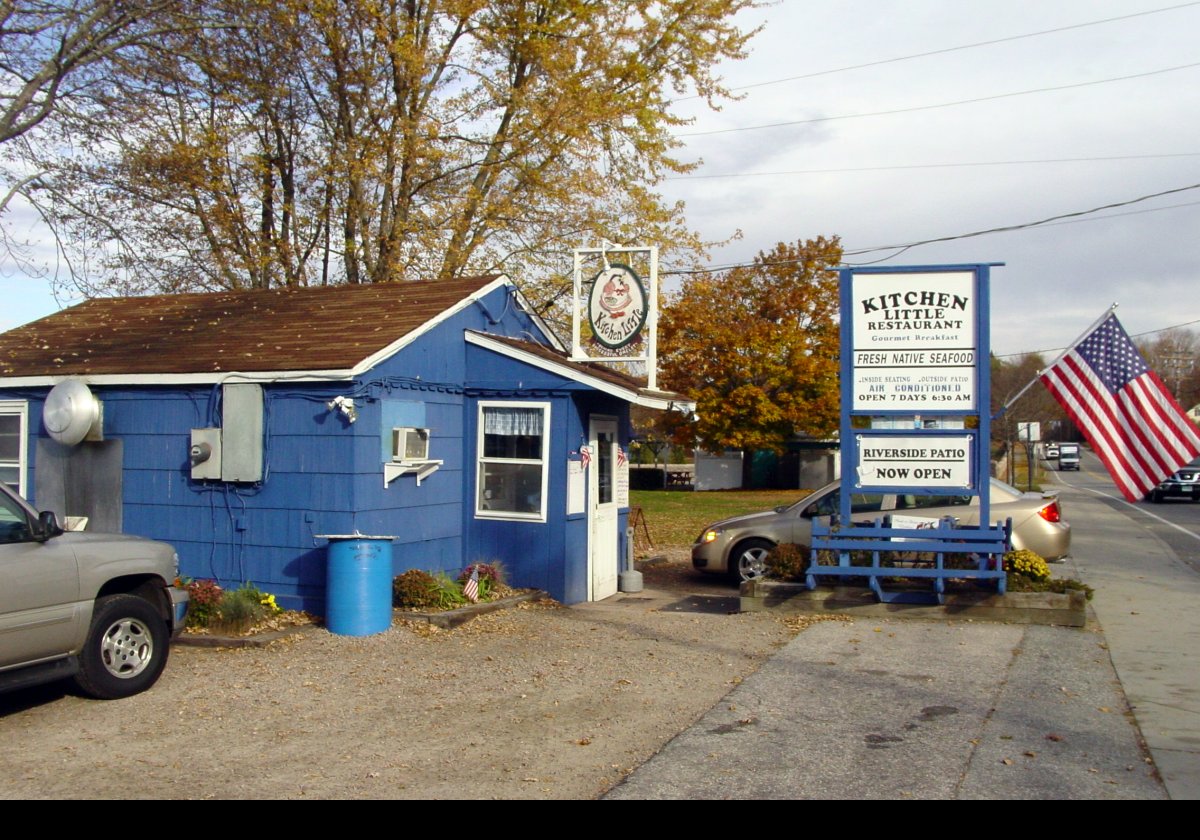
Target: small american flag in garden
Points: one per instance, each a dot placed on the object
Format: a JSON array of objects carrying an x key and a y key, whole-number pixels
[
  {"x": 471, "y": 587},
  {"x": 622, "y": 460}
]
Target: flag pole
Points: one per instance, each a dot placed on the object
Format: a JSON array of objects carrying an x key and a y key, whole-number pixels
[
  {"x": 1082, "y": 336},
  {"x": 1000, "y": 411}
]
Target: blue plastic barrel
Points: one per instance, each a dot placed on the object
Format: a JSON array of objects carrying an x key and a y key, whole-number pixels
[{"x": 358, "y": 588}]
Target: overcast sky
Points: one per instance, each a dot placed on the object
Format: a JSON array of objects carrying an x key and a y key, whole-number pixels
[
  {"x": 933, "y": 172},
  {"x": 942, "y": 170}
]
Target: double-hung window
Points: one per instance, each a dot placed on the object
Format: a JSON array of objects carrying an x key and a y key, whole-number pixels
[
  {"x": 13, "y": 418},
  {"x": 512, "y": 446}
]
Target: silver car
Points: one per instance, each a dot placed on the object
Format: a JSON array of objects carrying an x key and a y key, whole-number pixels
[{"x": 738, "y": 547}]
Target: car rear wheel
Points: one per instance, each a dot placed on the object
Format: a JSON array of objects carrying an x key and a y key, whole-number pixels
[
  {"x": 126, "y": 648},
  {"x": 749, "y": 560}
]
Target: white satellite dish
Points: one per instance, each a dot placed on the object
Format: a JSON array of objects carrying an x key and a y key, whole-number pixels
[{"x": 71, "y": 410}]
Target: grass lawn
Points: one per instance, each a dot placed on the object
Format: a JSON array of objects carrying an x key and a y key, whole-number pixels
[
  {"x": 675, "y": 517},
  {"x": 1020, "y": 475}
]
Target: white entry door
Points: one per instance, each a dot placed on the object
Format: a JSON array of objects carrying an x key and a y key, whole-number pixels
[{"x": 603, "y": 544}]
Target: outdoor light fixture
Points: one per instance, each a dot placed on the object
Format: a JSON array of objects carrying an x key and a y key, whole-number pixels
[{"x": 344, "y": 405}]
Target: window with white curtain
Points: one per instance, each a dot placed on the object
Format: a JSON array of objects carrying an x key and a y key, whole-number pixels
[
  {"x": 12, "y": 443},
  {"x": 512, "y": 460}
]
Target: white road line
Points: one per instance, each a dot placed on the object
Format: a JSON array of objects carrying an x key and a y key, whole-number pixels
[{"x": 1140, "y": 510}]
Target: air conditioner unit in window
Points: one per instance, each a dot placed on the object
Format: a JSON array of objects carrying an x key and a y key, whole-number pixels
[{"x": 410, "y": 444}]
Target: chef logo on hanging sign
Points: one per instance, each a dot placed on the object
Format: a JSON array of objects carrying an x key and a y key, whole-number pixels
[{"x": 617, "y": 307}]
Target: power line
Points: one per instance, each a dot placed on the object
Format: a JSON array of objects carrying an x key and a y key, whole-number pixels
[
  {"x": 1025, "y": 225},
  {"x": 902, "y": 167},
  {"x": 917, "y": 108},
  {"x": 1059, "y": 349},
  {"x": 944, "y": 50},
  {"x": 901, "y": 248}
]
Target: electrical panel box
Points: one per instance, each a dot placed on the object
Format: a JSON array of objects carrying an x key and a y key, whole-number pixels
[
  {"x": 205, "y": 454},
  {"x": 410, "y": 444},
  {"x": 242, "y": 432}
]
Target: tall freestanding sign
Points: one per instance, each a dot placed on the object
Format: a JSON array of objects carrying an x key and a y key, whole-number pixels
[{"x": 915, "y": 418}]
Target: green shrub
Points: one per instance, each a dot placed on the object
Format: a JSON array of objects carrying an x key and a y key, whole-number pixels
[
  {"x": 415, "y": 590},
  {"x": 491, "y": 576},
  {"x": 448, "y": 592},
  {"x": 244, "y": 605},
  {"x": 204, "y": 598},
  {"x": 786, "y": 561}
]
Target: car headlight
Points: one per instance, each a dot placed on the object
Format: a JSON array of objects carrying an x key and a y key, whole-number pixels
[{"x": 709, "y": 535}]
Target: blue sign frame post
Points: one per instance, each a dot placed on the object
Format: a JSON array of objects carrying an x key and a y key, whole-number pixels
[{"x": 915, "y": 421}]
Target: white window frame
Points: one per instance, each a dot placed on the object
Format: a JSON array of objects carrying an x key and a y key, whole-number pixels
[
  {"x": 19, "y": 408},
  {"x": 481, "y": 461}
]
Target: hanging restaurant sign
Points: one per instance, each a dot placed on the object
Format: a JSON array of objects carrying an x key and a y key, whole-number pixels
[
  {"x": 617, "y": 307},
  {"x": 614, "y": 309}
]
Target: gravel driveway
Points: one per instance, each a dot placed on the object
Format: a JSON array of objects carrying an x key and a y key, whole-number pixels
[{"x": 538, "y": 702}]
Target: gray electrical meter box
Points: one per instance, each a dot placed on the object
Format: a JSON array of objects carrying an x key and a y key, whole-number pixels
[
  {"x": 205, "y": 455},
  {"x": 242, "y": 433}
]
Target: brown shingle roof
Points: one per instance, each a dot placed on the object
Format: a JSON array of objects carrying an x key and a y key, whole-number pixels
[{"x": 310, "y": 328}]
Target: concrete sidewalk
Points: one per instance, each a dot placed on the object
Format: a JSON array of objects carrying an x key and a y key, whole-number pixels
[
  {"x": 1148, "y": 602},
  {"x": 969, "y": 710},
  {"x": 921, "y": 710}
]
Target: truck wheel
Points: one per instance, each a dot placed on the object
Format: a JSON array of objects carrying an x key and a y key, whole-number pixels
[{"x": 126, "y": 648}]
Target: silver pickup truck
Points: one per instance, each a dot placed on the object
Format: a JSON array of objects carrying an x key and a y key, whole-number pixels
[{"x": 101, "y": 608}]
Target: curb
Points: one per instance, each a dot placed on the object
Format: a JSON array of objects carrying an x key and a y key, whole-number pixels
[{"x": 213, "y": 640}]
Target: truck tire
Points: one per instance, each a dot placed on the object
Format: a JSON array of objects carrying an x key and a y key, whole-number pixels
[{"x": 126, "y": 648}]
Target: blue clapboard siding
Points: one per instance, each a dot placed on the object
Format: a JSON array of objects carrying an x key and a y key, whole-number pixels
[{"x": 324, "y": 475}]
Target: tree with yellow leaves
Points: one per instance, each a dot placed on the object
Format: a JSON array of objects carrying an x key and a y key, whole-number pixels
[
  {"x": 328, "y": 141},
  {"x": 757, "y": 348}
]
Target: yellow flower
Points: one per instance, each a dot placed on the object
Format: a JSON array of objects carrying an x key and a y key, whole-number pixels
[{"x": 1028, "y": 564}]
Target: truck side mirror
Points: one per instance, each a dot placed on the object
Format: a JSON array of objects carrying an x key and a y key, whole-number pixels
[{"x": 47, "y": 526}]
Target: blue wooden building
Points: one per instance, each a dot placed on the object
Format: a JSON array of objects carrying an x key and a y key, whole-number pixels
[{"x": 241, "y": 426}]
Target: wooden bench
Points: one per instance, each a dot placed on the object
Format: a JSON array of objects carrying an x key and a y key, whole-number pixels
[{"x": 923, "y": 550}]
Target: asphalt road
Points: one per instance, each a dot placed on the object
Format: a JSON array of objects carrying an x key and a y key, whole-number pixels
[{"x": 1174, "y": 521}]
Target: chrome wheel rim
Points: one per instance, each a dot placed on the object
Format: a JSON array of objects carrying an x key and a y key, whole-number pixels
[
  {"x": 127, "y": 648},
  {"x": 752, "y": 563}
]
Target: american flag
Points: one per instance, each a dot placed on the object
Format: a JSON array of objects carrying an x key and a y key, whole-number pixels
[
  {"x": 1123, "y": 408},
  {"x": 585, "y": 456},
  {"x": 622, "y": 458},
  {"x": 471, "y": 586}
]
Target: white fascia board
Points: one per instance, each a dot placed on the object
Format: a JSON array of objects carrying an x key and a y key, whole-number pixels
[
  {"x": 657, "y": 400},
  {"x": 446, "y": 314},
  {"x": 213, "y": 378}
]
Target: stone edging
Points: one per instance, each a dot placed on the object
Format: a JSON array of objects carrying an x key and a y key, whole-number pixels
[
  {"x": 1068, "y": 609},
  {"x": 446, "y": 619}
]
